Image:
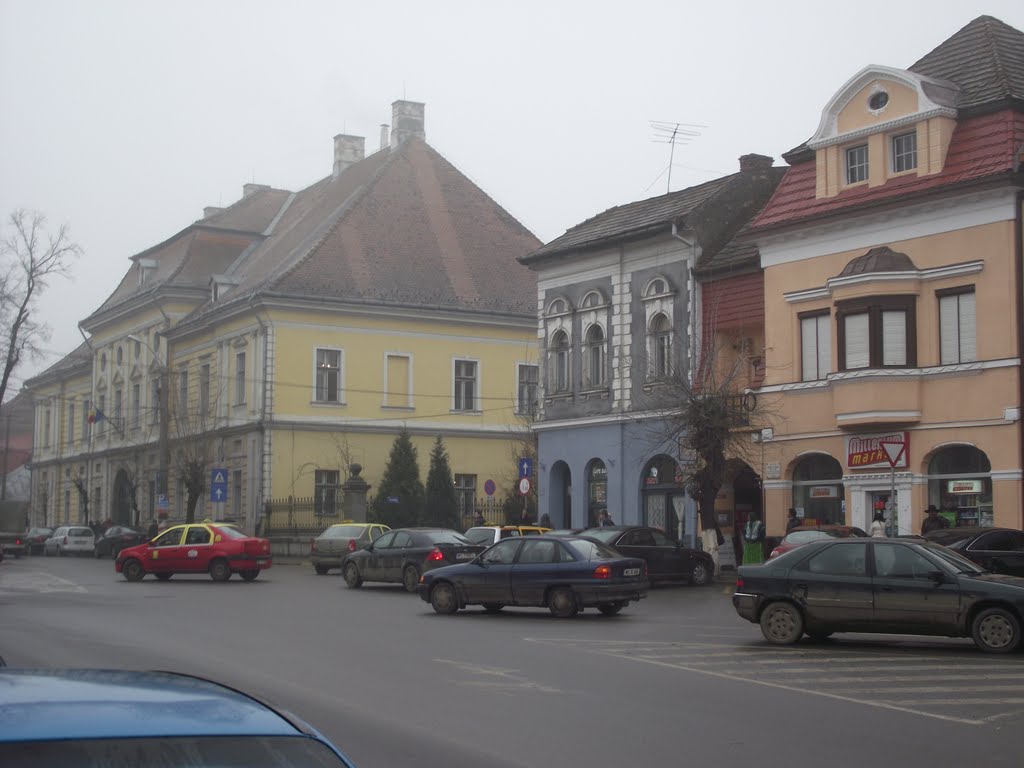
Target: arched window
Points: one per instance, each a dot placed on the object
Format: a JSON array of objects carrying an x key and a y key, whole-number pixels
[
  {"x": 559, "y": 362},
  {"x": 656, "y": 287},
  {"x": 591, "y": 300},
  {"x": 818, "y": 490},
  {"x": 659, "y": 347},
  {"x": 960, "y": 485},
  {"x": 595, "y": 357},
  {"x": 557, "y": 307}
]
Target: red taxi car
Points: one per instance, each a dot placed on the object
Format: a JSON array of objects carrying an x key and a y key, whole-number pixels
[{"x": 219, "y": 550}]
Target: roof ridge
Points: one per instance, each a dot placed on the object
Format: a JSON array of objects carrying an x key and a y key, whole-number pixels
[{"x": 243, "y": 199}]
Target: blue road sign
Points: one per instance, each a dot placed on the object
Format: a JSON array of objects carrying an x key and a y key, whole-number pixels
[
  {"x": 525, "y": 467},
  {"x": 218, "y": 484},
  {"x": 490, "y": 487}
]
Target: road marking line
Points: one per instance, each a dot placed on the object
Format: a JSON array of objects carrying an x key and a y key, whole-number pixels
[
  {"x": 510, "y": 679},
  {"x": 898, "y": 679},
  {"x": 936, "y": 689},
  {"x": 956, "y": 702},
  {"x": 885, "y": 668}
]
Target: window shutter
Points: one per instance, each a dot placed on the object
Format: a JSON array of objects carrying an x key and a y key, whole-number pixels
[
  {"x": 856, "y": 327},
  {"x": 824, "y": 345},
  {"x": 949, "y": 344},
  {"x": 894, "y": 338},
  {"x": 809, "y": 351},
  {"x": 968, "y": 334}
]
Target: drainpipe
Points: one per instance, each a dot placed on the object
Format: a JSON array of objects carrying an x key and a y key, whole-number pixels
[{"x": 1018, "y": 236}]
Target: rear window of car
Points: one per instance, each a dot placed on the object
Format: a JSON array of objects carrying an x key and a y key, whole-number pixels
[
  {"x": 480, "y": 535},
  {"x": 80, "y": 532},
  {"x": 591, "y": 550},
  {"x": 229, "y": 533},
  {"x": 446, "y": 537},
  {"x": 343, "y": 532}
]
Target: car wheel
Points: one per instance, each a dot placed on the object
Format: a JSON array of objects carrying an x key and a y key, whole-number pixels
[
  {"x": 782, "y": 624},
  {"x": 443, "y": 599},
  {"x": 220, "y": 570},
  {"x": 562, "y": 603},
  {"x": 701, "y": 575},
  {"x": 132, "y": 570},
  {"x": 610, "y": 609},
  {"x": 410, "y": 578},
  {"x": 493, "y": 607},
  {"x": 250, "y": 574},
  {"x": 321, "y": 570},
  {"x": 164, "y": 576},
  {"x": 996, "y": 630},
  {"x": 352, "y": 577}
]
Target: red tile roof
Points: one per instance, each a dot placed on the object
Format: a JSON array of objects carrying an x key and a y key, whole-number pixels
[{"x": 981, "y": 149}]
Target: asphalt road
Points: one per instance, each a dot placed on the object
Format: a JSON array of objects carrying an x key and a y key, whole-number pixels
[{"x": 677, "y": 679}]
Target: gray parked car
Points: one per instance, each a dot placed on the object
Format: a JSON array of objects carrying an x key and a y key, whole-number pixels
[
  {"x": 327, "y": 550},
  {"x": 70, "y": 540}
]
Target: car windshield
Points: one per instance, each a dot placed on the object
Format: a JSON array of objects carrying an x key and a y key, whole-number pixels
[
  {"x": 343, "y": 532},
  {"x": 229, "y": 532},
  {"x": 602, "y": 534},
  {"x": 958, "y": 561},
  {"x": 591, "y": 550},
  {"x": 183, "y": 752},
  {"x": 802, "y": 537},
  {"x": 446, "y": 537},
  {"x": 80, "y": 532}
]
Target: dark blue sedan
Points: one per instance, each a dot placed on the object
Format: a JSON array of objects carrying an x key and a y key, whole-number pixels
[
  {"x": 563, "y": 573},
  {"x": 92, "y": 717}
]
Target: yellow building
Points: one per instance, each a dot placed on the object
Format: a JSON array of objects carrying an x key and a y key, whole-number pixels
[
  {"x": 893, "y": 296},
  {"x": 287, "y": 336}
]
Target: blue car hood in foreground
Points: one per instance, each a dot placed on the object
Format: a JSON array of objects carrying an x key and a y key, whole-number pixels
[{"x": 46, "y": 704}]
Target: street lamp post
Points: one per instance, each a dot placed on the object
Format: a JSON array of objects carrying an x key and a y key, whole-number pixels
[{"x": 162, "y": 392}]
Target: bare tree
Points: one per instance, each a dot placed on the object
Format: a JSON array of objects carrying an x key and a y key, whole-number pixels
[
  {"x": 82, "y": 487},
  {"x": 29, "y": 256}
]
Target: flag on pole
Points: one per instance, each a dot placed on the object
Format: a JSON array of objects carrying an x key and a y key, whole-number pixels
[{"x": 96, "y": 415}]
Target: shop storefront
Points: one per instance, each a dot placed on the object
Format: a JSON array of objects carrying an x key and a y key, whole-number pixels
[
  {"x": 818, "y": 495},
  {"x": 663, "y": 495},
  {"x": 597, "y": 492},
  {"x": 960, "y": 485}
]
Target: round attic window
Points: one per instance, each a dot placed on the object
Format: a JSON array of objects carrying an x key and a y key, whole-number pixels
[{"x": 878, "y": 100}]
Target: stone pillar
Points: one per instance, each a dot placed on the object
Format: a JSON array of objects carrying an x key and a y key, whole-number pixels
[{"x": 353, "y": 504}]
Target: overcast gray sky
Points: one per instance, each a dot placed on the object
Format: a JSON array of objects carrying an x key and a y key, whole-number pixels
[{"x": 124, "y": 119}]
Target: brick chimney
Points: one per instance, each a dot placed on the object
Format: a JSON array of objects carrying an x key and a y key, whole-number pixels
[
  {"x": 211, "y": 210},
  {"x": 385, "y": 141},
  {"x": 252, "y": 189},
  {"x": 755, "y": 163},
  {"x": 406, "y": 121},
  {"x": 348, "y": 150}
]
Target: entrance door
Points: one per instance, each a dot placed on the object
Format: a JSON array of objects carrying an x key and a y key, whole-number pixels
[
  {"x": 122, "y": 499},
  {"x": 879, "y": 501}
]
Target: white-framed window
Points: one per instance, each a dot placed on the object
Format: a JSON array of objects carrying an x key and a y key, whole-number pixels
[
  {"x": 559, "y": 362},
  {"x": 957, "y": 326},
  {"x": 659, "y": 346},
  {"x": 239, "y": 378},
  {"x": 118, "y": 405},
  {"x": 465, "y": 494},
  {"x": 136, "y": 404},
  {"x": 877, "y": 332},
  {"x": 904, "y": 152},
  {"x": 592, "y": 300},
  {"x": 815, "y": 346},
  {"x": 657, "y": 286},
  {"x": 857, "y": 164},
  {"x": 595, "y": 357},
  {"x": 204, "y": 389},
  {"x": 183, "y": 391},
  {"x": 558, "y": 306},
  {"x": 325, "y": 491},
  {"x": 71, "y": 423},
  {"x": 328, "y": 375},
  {"x": 465, "y": 378},
  {"x": 398, "y": 380},
  {"x": 527, "y": 385}
]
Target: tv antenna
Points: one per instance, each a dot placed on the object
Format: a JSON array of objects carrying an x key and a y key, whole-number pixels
[{"x": 672, "y": 133}]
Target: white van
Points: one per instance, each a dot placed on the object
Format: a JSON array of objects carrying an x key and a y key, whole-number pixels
[{"x": 70, "y": 540}]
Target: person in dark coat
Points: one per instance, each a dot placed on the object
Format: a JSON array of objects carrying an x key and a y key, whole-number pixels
[
  {"x": 933, "y": 521},
  {"x": 153, "y": 529},
  {"x": 793, "y": 521}
]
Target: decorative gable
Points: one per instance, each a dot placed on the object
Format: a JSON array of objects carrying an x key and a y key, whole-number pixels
[{"x": 883, "y": 123}]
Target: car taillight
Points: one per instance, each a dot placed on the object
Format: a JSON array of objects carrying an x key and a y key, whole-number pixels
[
  {"x": 351, "y": 545},
  {"x": 739, "y": 583},
  {"x": 603, "y": 572},
  {"x": 435, "y": 554},
  {"x": 17, "y": 541}
]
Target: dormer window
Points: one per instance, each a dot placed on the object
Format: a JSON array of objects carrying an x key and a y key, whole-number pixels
[
  {"x": 147, "y": 268},
  {"x": 857, "y": 164},
  {"x": 221, "y": 284},
  {"x": 904, "y": 152}
]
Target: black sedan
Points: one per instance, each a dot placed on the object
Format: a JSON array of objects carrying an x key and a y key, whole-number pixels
[
  {"x": 564, "y": 573},
  {"x": 667, "y": 560},
  {"x": 116, "y": 538},
  {"x": 1000, "y": 550},
  {"x": 36, "y": 538},
  {"x": 402, "y": 555},
  {"x": 901, "y": 586}
]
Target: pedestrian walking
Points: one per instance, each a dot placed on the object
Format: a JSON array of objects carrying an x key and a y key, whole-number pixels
[
  {"x": 933, "y": 521},
  {"x": 877, "y": 530},
  {"x": 545, "y": 520},
  {"x": 753, "y": 540},
  {"x": 793, "y": 521},
  {"x": 604, "y": 519}
]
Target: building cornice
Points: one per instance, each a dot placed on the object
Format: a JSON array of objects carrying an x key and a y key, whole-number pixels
[{"x": 932, "y": 273}]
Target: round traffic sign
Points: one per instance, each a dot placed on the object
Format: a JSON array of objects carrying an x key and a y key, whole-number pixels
[
  {"x": 489, "y": 487},
  {"x": 524, "y": 486}
]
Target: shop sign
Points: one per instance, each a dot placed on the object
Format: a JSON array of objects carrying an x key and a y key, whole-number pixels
[
  {"x": 965, "y": 486},
  {"x": 824, "y": 492},
  {"x": 868, "y": 452}
]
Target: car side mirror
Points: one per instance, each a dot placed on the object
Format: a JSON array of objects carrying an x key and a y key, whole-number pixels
[{"x": 937, "y": 576}]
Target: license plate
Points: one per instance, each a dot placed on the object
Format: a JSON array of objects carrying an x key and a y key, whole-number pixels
[
  {"x": 464, "y": 556},
  {"x": 261, "y": 562},
  {"x": 631, "y": 572}
]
